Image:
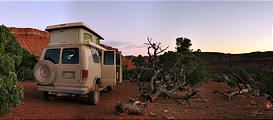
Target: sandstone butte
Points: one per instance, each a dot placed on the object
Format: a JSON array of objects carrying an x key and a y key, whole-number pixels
[{"x": 35, "y": 40}]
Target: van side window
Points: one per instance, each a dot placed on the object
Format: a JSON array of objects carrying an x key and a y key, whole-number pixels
[
  {"x": 87, "y": 37},
  {"x": 95, "y": 56},
  {"x": 108, "y": 58},
  {"x": 52, "y": 55},
  {"x": 70, "y": 56}
]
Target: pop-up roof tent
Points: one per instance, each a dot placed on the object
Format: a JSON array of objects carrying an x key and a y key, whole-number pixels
[{"x": 74, "y": 33}]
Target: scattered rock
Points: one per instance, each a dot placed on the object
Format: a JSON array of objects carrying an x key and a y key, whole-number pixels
[
  {"x": 172, "y": 118},
  {"x": 268, "y": 106}
]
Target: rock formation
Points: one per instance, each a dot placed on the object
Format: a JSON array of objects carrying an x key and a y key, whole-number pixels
[{"x": 32, "y": 39}]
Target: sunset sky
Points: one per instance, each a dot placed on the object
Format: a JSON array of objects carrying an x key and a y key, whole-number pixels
[{"x": 214, "y": 26}]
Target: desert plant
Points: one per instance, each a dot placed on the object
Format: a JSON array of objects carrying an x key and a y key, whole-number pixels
[
  {"x": 263, "y": 80},
  {"x": 25, "y": 70},
  {"x": 165, "y": 74},
  {"x": 185, "y": 65},
  {"x": 14, "y": 61}
]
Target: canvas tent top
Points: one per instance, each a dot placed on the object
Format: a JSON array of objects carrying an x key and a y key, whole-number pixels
[{"x": 73, "y": 25}]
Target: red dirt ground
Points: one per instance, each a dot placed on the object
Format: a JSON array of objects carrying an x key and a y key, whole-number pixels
[{"x": 210, "y": 106}]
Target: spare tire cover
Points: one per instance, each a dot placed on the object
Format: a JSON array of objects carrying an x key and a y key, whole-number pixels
[{"x": 44, "y": 72}]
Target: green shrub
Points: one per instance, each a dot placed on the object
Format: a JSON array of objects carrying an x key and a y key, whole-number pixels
[
  {"x": 10, "y": 93},
  {"x": 222, "y": 78},
  {"x": 25, "y": 69},
  {"x": 244, "y": 75},
  {"x": 198, "y": 76},
  {"x": 264, "y": 81},
  {"x": 231, "y": 83},
  {"x": 128, "y": 74},
  {"x": 15, "y": 62},
  {"x": 7, "y": 64}
]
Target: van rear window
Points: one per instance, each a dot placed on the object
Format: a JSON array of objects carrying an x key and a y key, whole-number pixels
[
  {"x": 70, "y": 56},
  {"x": 52, "y": 55}
]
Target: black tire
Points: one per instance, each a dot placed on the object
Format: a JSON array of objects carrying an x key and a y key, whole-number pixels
[
  {"x": 109, "y": 88},
  {"x": 47, "y": 96},
  {"x": 44, "y": 72},
  {"x": 94, "y": 96}
]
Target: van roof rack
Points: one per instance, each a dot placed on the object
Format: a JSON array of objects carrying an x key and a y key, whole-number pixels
[{"x": 73, "y": 25}]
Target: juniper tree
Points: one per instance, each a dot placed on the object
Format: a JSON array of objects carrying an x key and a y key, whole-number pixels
[{"x": 15, "y": 62}]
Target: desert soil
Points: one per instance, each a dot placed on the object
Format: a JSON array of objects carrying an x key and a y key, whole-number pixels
[{"x": 210, "y": 106}]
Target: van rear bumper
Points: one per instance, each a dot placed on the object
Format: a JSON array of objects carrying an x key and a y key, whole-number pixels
[{"x": 61, "y": 89}]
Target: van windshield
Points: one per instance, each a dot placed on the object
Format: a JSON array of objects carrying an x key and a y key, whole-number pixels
[
  {"x": 70, "y": 56},
  {"x": 52, "y": 55}
]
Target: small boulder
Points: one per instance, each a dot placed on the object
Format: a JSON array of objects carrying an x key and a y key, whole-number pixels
[{"x": 268, "y": 105}]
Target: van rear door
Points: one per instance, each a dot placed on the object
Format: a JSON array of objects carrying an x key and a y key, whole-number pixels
[
  {"x": 70, "y": 67},
  {"x": 108, "y": 70}
]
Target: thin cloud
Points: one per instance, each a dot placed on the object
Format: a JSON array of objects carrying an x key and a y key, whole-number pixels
[{"x": 115, "y": 43}]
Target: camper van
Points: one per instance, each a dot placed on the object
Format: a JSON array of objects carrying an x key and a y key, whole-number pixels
[{"x": 74, "y": 63}]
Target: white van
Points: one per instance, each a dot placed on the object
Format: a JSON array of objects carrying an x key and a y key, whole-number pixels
[{"x": 74, "y": 63}]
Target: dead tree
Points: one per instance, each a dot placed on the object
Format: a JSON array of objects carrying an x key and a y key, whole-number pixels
[{"x": 150, "y": 93}]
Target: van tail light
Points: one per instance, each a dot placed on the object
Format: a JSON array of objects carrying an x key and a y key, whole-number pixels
[{"x": 84, "y": 74}]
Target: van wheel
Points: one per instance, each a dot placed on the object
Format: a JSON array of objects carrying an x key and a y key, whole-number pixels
[
  {"x": 94, "y": 96},
  {"x": 109, "y": 88},
  {"x": 47, "y": 96}
]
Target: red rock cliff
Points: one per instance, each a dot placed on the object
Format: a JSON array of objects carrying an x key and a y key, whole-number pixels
[{"x": 32, "y": 39}]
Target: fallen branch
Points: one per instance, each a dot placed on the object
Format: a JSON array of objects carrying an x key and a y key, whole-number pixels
[
  {"x": 177, "y": 96},
  {"x": 229, "y": 95}
]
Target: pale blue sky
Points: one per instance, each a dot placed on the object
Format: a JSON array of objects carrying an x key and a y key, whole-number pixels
[{"x": 216, "y": 26}]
